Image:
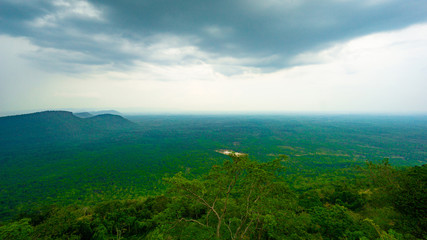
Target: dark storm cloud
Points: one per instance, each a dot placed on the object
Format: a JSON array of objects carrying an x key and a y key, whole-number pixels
[
  {"x": 71, "y": 36},
  {"x": 268, "y": 32}
]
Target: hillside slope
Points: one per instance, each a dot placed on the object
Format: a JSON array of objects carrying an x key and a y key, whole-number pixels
[{"x": 57, "y": 126}]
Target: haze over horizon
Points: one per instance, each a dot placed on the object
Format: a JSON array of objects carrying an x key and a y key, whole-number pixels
[{"x": 329, "y": 56}]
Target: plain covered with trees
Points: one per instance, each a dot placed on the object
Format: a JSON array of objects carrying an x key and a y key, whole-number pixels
[{"x": 246, "y": 199}]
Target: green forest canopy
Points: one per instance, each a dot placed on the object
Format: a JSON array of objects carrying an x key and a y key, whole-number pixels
[{"x": 246, "y": 199}]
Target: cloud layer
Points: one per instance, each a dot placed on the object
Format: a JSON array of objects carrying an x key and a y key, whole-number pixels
[
  {"x": 243, "y": 55},
  {"x": 266, "y": 35}
]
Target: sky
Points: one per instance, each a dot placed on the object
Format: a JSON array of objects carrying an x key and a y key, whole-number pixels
[{"x": 222, "y": 56}]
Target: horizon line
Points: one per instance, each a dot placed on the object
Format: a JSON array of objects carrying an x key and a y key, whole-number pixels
[{"x": 207, "y": 113}]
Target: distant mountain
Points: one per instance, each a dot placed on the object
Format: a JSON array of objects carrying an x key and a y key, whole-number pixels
[
  {"x": 83, "y": 115},
  {"x": 110, "y": 122},
  {"x": 113, "y": 112},
  {"x": 57, "y": 126}
]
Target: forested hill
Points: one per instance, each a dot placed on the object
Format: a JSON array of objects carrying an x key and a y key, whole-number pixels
[{"x": 54, "y": 126}]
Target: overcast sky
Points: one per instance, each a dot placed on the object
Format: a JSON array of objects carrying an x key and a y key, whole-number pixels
[{"x": 227, "y": 56}]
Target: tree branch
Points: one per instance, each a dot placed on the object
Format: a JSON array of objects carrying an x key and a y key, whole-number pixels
[{"x": 192, "y": 220}]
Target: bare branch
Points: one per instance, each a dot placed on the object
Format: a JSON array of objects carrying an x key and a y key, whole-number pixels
[
  {"x": 229, "y": 229},
  {"x": 203, "y": 201},
  {"x": 246, "y": 229},
  {"x": 192, "y": 220}
]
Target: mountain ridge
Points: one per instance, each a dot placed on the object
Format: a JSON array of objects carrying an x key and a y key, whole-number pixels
[{"x": 57, "y": 126}]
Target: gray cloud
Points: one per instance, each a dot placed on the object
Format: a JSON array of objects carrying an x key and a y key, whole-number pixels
[{"x": 261, "y": 34}]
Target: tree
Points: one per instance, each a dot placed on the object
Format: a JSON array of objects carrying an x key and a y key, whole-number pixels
[
  {"x": 404, "y": 190},
  {"x": 234, "y": 201},
  {"x": 382, "y": 175},
  {"x": 411, "y": 199},
  {"x": 17, "y": 230},
  {"x": 332, "y": 222}
]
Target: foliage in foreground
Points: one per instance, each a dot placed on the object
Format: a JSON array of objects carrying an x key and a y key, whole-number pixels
[{"x": 245, "y": 199}]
